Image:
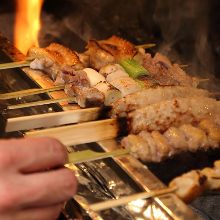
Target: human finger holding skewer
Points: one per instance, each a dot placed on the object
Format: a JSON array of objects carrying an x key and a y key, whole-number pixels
[{"x": 28, "y": 169}]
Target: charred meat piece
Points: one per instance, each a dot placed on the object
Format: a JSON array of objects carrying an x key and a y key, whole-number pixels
[
  {"x": 195, "y": 182},
  {"x": 213, "y": 176},
  {"x": 85, "y": 96},
  {"x": 162, "y": 115},
  {"x": 190, "y": 185},
  {"x": 151, "y": 96},
  {"x": 109, "y": 51},
  {"x": 162, "y": 70},
  {"x": 75, "y": 77},
  {"x": 52, "y": 58}
]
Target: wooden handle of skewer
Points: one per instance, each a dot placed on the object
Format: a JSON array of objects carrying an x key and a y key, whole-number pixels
[
  {"x": 51, "y": 119},
  {"x": 81, "y": 133}
]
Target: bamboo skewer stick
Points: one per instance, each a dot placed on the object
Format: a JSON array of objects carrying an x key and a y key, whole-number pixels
[
  {"x": 81, "y": 133},
  {"x": 50, "y": 101},
  {"x": 146, "y": 46},
  {"x": 29, "y": 92},
  {"x": 52, "y": 119},
  {"x": 11, "y": 65},
  {"x": 89, "y": 155},
  {"x": 43, "y": 102},
  {"x": 126, "y": 199}
]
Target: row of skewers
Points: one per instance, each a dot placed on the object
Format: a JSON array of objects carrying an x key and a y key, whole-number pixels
[{"x": 162, "y": 109}]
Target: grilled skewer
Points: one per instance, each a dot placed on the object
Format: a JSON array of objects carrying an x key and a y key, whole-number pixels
[
  {"x": 188, "y": 186},
  {"x": 155, "y": 146},
  {"x": 106, "y": 129},
  {"x": 195, "y": 182},
  {"x": 27, "y": 62}
]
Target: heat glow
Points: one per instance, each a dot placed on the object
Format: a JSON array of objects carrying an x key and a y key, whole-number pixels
[{"x": 27, "y": 24}]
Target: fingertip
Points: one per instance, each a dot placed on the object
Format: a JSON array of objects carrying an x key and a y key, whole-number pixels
[
  {"x": 53, "y": 146},
  {"x": 70, "y": 182}
]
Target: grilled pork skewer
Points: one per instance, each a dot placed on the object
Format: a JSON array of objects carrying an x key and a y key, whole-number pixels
[{"x": 194, "y": 183}]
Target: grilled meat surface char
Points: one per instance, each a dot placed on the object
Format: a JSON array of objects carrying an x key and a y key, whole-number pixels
[
  {"x": 85, "y": 96},
  {"x": 156, "y": 146},
  {"x": 52, "y": 58},
  {"x": 109, "y": 51},
  {"x": 190, "y": 185},
  {"x": 166, "y": 73},
  {"x": 173, "y": 108},
  {"x": 69, "y": 75},
  {"x": 194, "y": 183},
  {"x": 153, "y": 95},
  {"x": 175, "y": 112}
]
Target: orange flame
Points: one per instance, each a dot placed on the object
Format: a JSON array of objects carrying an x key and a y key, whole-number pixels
[{"x": 27, "y": 24}]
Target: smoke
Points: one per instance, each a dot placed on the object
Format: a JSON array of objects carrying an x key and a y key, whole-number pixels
[{"x": 184, "y": 28}]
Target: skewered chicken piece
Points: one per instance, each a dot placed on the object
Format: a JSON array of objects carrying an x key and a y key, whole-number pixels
[
  {"x": 52, "y": 58},
  {"x": 85, "y": 96},
  {"x": 153, "y": 95},
  {"x": 117, "y": 77},
  {"x": 213, "y": 176},
  {"x": 109, "y": 51},
  {"x": 195, "y": 182},
  {"x": 190, "y": 185},
  {"x": 162, "y": 115},
  {"x": 166, "y": 73},
  {"x": 90, "y": 77},
  {"x": 156, "y": 146}
]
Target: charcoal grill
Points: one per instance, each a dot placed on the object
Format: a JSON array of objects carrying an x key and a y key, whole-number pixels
[{"x": 102, "y": 179}]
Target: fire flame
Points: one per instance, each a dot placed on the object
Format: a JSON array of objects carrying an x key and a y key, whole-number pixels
[{"x": 27, "y": 24}]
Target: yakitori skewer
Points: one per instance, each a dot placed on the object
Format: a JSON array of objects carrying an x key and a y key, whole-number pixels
[
  {"x": 156, "y": 132},
  {"x": 27, "y": 62},
  {"x": 126, "y": 199},
  {"x": 195, "y": 182},
  {"x": 51, "y": 119}
]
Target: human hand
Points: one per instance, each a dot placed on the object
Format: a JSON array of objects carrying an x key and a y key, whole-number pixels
[{"x": 33, "y": 182}]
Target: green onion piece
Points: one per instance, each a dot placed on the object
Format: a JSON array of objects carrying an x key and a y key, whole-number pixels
[{"x": 133, "y": 68}]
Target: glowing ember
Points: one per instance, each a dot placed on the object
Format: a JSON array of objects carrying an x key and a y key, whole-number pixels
[{"x": 27, "y": 24}]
